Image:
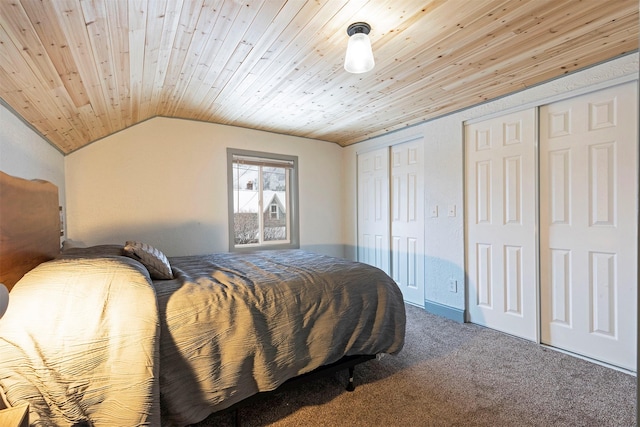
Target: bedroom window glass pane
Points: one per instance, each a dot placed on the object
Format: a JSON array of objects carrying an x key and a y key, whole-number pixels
[
  {"x": 274, "y": 194},
  {"x": 263, "y": 190},
  {"x": 246, "y": 222}
]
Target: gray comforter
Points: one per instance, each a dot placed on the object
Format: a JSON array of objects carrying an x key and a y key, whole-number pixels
[{"x": 104, "y": 343}]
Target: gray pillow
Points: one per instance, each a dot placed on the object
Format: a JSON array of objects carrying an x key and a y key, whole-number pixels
[{"x": 153, "y": 259}]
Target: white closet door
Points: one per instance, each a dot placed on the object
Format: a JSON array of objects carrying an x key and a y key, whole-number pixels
[
  {"x": 373, "y": 208},
  {"x": 588, "y": 222},
  {"x": 407, "y": 219},
  {"x": 501, "y": 217}
]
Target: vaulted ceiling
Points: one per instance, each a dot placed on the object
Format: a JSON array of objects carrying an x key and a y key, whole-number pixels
[{"x": 80, "y": 70}]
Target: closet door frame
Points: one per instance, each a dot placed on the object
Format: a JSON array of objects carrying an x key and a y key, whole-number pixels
[
  {"x": 538, "y": 104},
  {"x": 407, "y": 201},
  {"x": 501, "y": 223},
  {"x": 366, "y": 248},
  {"x": 373, "y": 208},
  {"x": 587, "y": 276}
]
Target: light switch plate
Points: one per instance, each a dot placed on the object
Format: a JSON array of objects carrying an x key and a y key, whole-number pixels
[
  {"x": 434, "y": 211},
  {"x": 452, "y": 210}
]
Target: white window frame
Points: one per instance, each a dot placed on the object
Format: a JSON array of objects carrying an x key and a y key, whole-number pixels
[{"x": 265, "y": 159}]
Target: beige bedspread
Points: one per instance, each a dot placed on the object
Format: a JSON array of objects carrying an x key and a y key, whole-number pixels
[
  {"x": 96, "y": 340},
  {"x": 79, "y": 342}
]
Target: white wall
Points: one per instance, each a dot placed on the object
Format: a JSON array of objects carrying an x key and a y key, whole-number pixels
[
  {"x": 26, "y": 154},
  {"x": 164, "y": 182},
  {"x": 444, "y": 175}
]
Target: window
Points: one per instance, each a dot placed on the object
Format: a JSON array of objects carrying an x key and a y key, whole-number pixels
[{"x": 263, "y": 200}]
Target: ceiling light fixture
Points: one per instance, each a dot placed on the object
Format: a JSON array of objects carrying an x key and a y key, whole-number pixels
[{"x": 359, "y": 57}]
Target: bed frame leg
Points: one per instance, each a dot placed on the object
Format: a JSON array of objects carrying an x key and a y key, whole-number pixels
[{"x": 350, "y": 386}]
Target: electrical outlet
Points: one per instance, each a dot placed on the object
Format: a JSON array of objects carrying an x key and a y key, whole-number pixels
[{"x": 453, "y": 285}]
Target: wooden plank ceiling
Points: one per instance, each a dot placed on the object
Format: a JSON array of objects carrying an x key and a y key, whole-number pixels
[{"x": 79, "y": 70}]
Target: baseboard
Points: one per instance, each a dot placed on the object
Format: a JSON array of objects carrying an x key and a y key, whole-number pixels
[{"x": 452, "y": 313}]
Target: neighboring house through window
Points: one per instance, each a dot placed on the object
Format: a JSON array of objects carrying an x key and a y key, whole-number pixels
[
  {"x": 263, "y": 200},
  {"x": 273, "y": 210}
]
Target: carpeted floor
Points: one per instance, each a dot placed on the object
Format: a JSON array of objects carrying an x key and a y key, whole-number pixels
[{"x": 452, "y": 374}]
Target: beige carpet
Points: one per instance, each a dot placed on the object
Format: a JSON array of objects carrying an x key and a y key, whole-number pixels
[{"x": 452, "y": 374}]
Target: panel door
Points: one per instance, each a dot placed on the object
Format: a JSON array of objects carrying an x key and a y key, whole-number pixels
[
  {"x": 501, "y": 223},
  {"x": 589, "y": 228},
  {"x": 407, "y": 219},
  {"x": 373, "y": 208}
]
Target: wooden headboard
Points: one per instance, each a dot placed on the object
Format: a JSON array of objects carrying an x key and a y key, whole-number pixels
[{"x": 29, "y": 226}]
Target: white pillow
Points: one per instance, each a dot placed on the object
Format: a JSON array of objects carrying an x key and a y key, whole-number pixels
[{"x": 153, "y": 259}]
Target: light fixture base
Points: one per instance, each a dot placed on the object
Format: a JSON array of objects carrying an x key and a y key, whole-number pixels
[{"x": 358, "y": 27}]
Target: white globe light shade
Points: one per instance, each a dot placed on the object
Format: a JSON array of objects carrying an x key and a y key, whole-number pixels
[{"x": 359, "y": 57}]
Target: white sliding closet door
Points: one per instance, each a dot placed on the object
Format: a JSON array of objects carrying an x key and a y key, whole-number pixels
[
  {"x": 500, "y": 220},
  {"x": 589, "y": 224},
  {"x": 373, "y": 208},
  {"x": 407, "y": 219}
]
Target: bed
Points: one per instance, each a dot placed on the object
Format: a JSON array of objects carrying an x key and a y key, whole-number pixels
[{"x": 119, "y": 334}]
